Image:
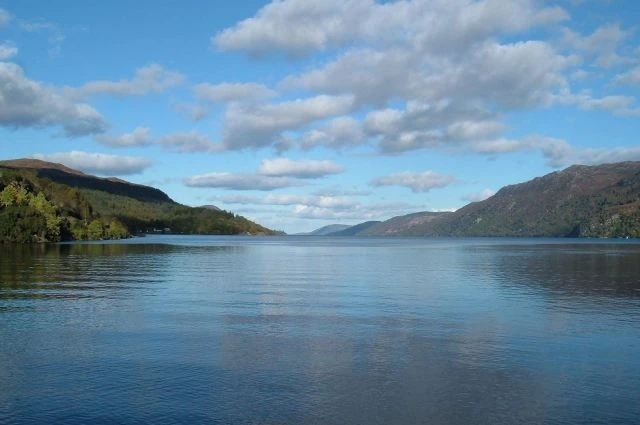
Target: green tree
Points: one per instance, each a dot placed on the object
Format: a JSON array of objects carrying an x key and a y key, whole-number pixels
[
  {"x": 40, "y": 203},
  {"x": 95, "y": 230}
]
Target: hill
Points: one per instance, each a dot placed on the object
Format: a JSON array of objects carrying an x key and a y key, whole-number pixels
[
  {"x": 42, "y": 201},
  {"x": 355, "y": 230},
  {"x": 325, "y": 230},
  {"x": 74, "y": 178},
  {"x": 580, "y": 201}
]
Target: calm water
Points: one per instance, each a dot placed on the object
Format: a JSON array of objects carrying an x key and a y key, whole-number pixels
[{"x": 199, "y": 330}]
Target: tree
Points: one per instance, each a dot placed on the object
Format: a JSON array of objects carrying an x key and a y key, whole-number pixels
[{"x": 95, "y": 230}]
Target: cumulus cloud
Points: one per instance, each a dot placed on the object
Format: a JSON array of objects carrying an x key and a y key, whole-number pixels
[
  {"x": 333, "y": 202},
  {"x": 295, "y": 26},
  {"x": 7, "y": 50},
  {"x": 262, "y": 125},
  {"x": 301, "y": 169},
  {"x": 98, "y": 163},
  {"x": 593, "y": 156},
  {"x": 188, "y": 142},
  {"x": 479, "y": 196},
  {"x": 27, "y": 103},
  {"x": 584, "y": 100},
  {"x": 232, "y": 92},
  {"x": 450, "y": 68},
  {"x": 272, "y": 174},
  {"x": 557, "y": 152},
  {"x": 427, "y": 125},
  {"x": 298, "y": 27},
  {"x": 140, "y": 136},
  {"x": 148, "y": 79},
  {"x": 241, "y": 181},
  {"x": 602, "y": 44},
  {"x": 338, "y": 191},
  {"x": 336, "y": 133},
  {"x": 358, "y": 212},
  {"x": 320, "y": 201},
  {"x": 319, "y": 206},
  {"x": 417, "y": 182}
]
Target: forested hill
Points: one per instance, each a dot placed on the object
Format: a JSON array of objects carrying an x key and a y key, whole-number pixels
[
  {"x": 580, "y": 201},
  {"x": 74, "y": 178},
  {"x": 41, "y": 201}
]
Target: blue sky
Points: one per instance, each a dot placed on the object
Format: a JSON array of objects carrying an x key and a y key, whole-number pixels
[{"x": 301, "y": 113}]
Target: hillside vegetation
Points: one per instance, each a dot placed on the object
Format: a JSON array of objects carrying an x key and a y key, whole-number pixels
[
  {"x": 45, "y": 202},
  {"x": 580, "y": 201}
]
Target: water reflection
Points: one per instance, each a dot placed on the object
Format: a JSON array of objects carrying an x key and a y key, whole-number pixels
[
  {"x": 251, "y": 330},
  {"x": 571, "y": 270}
]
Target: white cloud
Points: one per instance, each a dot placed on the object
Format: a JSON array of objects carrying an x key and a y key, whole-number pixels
[
  {"x": 237, "y": 199},
  {"x": 98, "y": 163},
  {"x": 298, "y": 27},
  {"x": 27, "y": 103},
  {"x": 423, "y": 125},
  {"x": 337, "y": 133},
  {"x": 148, "y": 79},
  {"x": 301, "y": 169},
  {"x": 498, "y": 146},
  {"x": 37, "y": 25},
  {"x": 193, "y": 111},
  {"x": 474, "y": 130},
  {"x": 557, "y": 152},
  {"x": 188, "y": 142},
  {"x": 140, "y": 136},
  {"x": 593, "y": 156},
  {"x": 5, "y": 17},
  {"x": 262, "y": 125},
  {"x": 339, "y": 191},
  {"x": 55, "y": 39},
  {"x": 630, "y": 78},
  {"x": 232, "y": 92},
  {"x": 602, "y": 44},
  {"x": 450, "y": 68},
  {"x": 333, "y": 202},
  {"x": 7, "y": 50},
  {"x": 479, "y": 196},
  {"x": 241, "y": 181},
  {"x": 417, "y": 182},
  {"x": 584, "y": 100},
  {"x": 358, "y": 212}
]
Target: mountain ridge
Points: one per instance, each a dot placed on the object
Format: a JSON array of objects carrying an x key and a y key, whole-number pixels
[{"x": 581, "y": 200}]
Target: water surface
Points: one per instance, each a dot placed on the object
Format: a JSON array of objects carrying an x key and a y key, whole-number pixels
[{"x": 304, "y": 330}]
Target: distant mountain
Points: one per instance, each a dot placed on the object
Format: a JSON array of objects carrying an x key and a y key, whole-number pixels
[
  {"x": 323, "y": 231},
  {"x": 355, "y": 230},
  {"x": 404, "y": 225},
  {"x": 585, "y": 201},
  {"x": 210, "y": 207},
  {"x": 43, "y": 201}
]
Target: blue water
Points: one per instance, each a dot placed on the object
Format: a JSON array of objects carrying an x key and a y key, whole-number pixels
[{"x": 313, "y": 330}]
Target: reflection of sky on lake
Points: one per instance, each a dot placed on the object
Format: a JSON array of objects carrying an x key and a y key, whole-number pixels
[{"x": 291, "y": 330}]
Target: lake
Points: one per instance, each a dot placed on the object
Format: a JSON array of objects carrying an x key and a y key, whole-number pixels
[{"x": 313, "y": 330}]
